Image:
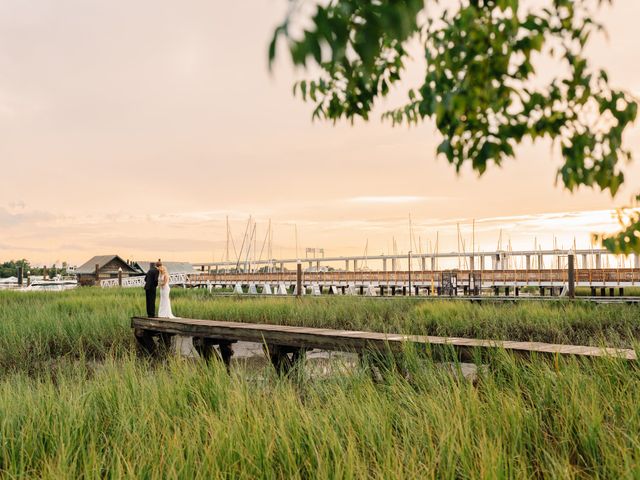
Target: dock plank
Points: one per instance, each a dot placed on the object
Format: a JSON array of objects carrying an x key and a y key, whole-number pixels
[{"x": 350, "y": 340}]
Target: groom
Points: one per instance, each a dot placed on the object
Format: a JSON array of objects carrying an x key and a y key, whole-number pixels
[{"x": 150, "y": 286}]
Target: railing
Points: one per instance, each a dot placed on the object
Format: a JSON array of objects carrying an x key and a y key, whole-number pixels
[
  {"x": 129, "y": 282},
  {"x": 420, "y": 277},
  {"x": 595, "y": 277}
]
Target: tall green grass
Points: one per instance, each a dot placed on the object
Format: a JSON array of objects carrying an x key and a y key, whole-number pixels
[
  {"x": 65, "y": 415},
  {"x": 92, "y": 323},
  {"x": 557, "y": 322},
  {"x": 38, "y": 327},
  {"x": 191, "y": 420}
]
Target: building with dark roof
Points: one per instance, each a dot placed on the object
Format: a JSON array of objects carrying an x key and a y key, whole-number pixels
[
  {"x": 172, "y": 267},
  {"x": 102, "y": 267}
]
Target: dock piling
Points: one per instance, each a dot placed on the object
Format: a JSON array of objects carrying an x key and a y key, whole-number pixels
[
  {"x": 572, "y": 277},
  {"x": 298, "y": 279}
]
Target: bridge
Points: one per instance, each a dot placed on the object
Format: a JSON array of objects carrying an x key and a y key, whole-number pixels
[
  {"x": 541, "y": 272},
  {"x": 453, "y": 283},
  {"x": 551, "y": 272},
  {"x": 496, "y": 260}
]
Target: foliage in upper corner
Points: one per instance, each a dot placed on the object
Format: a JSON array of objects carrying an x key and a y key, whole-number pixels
[
  {"x": 628, "y": 239},
  {"x": 482, "y": 83}
]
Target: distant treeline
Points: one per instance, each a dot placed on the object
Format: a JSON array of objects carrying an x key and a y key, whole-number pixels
[{"x": 10, "y": 269}]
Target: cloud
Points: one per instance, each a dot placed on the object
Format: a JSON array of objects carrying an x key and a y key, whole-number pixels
[
  {"x": 8, "y": 247},
  {"x": 155, "y": 244},
  {"x": 9, "y": 219},
  {"x": 17, "y": 205},
  {"x": 74, "y": 247},
  {"x": 198, "y": 235},
  {"x": 394, "y": 199}
]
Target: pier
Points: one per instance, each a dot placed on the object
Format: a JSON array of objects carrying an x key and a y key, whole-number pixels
[
  {"x": 546, "y": 272},
  {"x": 542, "y": 273},
  {"x": 287, "y": 344}
]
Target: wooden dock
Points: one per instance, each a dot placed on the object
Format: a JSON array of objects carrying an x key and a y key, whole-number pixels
[{"x": 285, "y": 344}]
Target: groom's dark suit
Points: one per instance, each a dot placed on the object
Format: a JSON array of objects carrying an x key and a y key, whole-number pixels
[{"x": 150, "y": 286}]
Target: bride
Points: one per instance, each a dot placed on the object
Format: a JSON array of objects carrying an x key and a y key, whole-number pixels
[{"x": 164, "y": 310}]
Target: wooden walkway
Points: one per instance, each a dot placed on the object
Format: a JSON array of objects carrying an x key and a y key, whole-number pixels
[
  {"x": 592, "y": 277},
  {"x": 282, "y": 341}
]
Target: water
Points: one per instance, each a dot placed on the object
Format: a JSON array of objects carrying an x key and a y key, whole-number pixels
[{"x": 319, "y": 363}]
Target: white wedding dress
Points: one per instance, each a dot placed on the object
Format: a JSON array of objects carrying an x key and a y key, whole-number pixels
[
  {"x": 180, "y": 344},
  {"x": 164, "y": 311}
]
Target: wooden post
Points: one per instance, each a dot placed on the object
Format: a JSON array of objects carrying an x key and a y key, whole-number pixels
[
  {"x": 44, "y": 272},
  {"x": 20, "y": 275},
  {"x": 97, "y": 274},
  {"x": 144, "y": 342},
  {"x": 279, "y": 357},
  {"x": 206, "y": 349},
  {"x": 120, "y": 276},
  {"x": 572, "y": 277},
  {"x": 299, "y": 279}
]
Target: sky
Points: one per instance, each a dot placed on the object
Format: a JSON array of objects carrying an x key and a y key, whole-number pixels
[{"x": 138, "y": 128}]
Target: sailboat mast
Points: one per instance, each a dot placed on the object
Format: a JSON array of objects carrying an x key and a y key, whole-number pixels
[{"x": 227, "y": 257}]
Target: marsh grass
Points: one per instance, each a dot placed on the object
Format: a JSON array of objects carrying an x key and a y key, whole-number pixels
[
  {"x": 43, "y": 327},
  {"x": 76, "y": 403},
  {"x": 186, "y": 419},
  {"x": 554, "y": 322}
]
